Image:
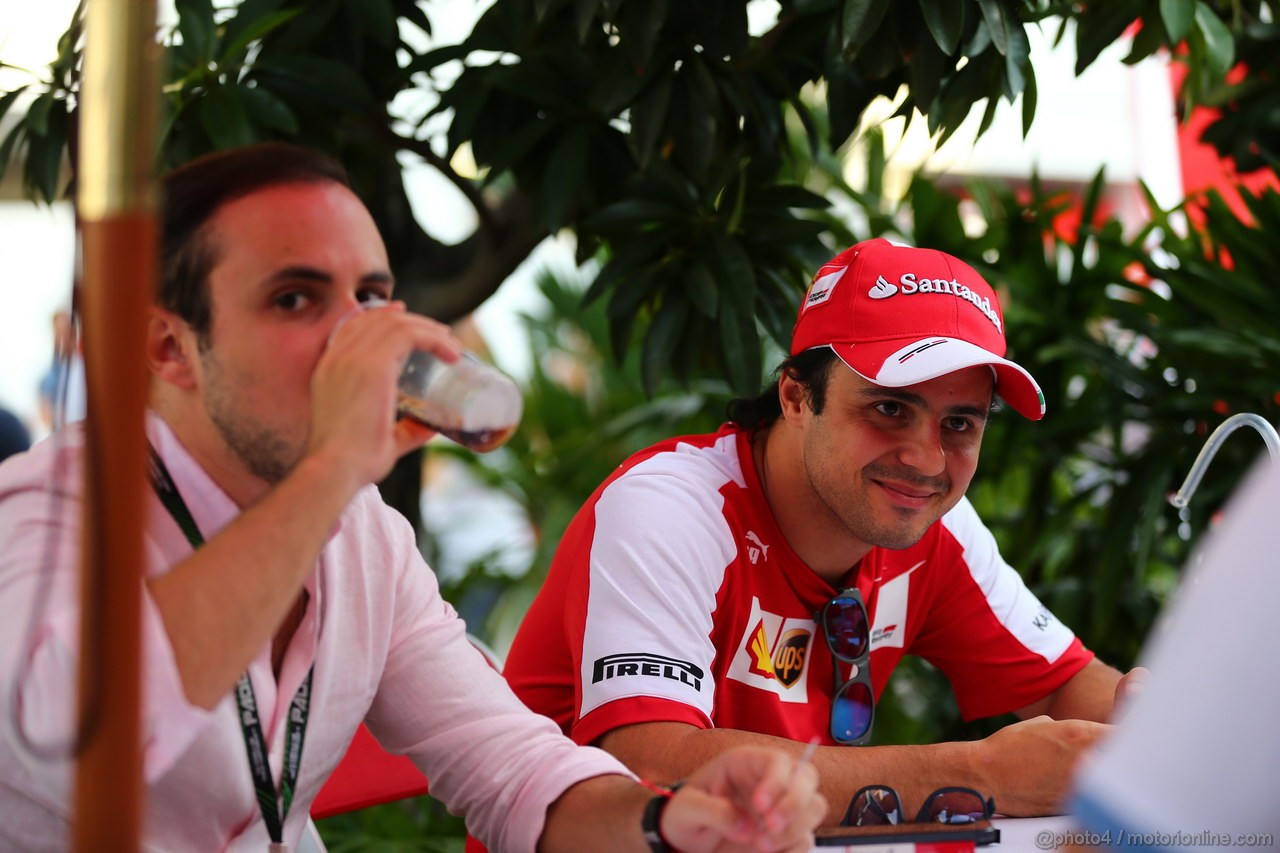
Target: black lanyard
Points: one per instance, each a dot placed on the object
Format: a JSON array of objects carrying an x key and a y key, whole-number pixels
[{"x": 275, "y": 807}]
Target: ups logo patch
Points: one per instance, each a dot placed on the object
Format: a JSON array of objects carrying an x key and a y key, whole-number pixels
[{"x": 784, "y": 660}]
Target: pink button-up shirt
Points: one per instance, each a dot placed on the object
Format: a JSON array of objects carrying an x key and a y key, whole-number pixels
[{"x": 386, "y": 647}]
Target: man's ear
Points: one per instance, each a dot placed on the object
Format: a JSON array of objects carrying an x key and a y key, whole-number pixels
[
  {"x": 171, "y": 349},
  {"x": 793, "y": 395}
]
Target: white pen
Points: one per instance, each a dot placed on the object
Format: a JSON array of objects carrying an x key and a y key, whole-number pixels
[{"x": 807, "y": 755}]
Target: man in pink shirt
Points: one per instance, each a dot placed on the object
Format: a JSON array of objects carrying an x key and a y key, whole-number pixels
[{"x": 284, "y": 603}]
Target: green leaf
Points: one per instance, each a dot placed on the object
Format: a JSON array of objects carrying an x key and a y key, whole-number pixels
[
  {"x": 1149, "y": 40},
  {"x": 70, "y": 47},
  {"x": 170, "y": 112},
  {"x": 628, "y": 215},
  {"x": 436, "y": 57},
  {"x": 624, "y": 306},
  {"x": 500, "y": 27},
  {"x": 989, "y": 116},
  {"x": 926, "y": 69},
  {"x": 468, "y": 98},
  {"x": 45, "y": 156},
  {"x": 195, "y": 23},
  {"x": 812, "y": 132},
  {"x": 1177, "y": 16},
  {"x": 1088, "y": 210},
  {"x": 621, "y": 267},
  {"x": 327, "y": 80},
  {"x": 732, "y": 268},
  {"x": 516, "y": 147},
  {"x": 1102, "y": 27},
  {"x": 776, "y": 307},
  {"x": 740, "y": 348},
  {"x": 937, "y": 215},
  {"x": 648, "y": 117},
  {"x": 38, "y": 114},
  {"x": 1092, "y": 198},
  {"x": 877, "y": 162},
  {"x": 11, "y": 141},
  {"x": 9, "y": 97},
  {"x": 1017, "y": 62},
  {"x": 789, "y": 195},
  {"x": 562, "y": 181},
  {"x": 960, "y": 92},
  {"x": 998, "y": 25},
  {"x": 784, "y": 232},
  {"x": 414, "y": 14},
  {"x": 633, "y": 292},
  {"x": 380, "y": 21},
  {"x": 584, "y": 15},
  {"x": 1030, "y": 94},
  {"x": 639, "y": 28},
  {"x": 859, "y": 21},
  {"x": 695, "y": 132},
  {"x": 1218, "y": 42},
  {"x": 265, "y": 109},
  {"x": 537, "y": 82},
  {"x": 223, "y": 117},
  {"x": 619, "y": 91},
  {"x": 249, "y": 15},
  {"x": 765, "y": 116},
  {"x": 945, "y": 20},
  {"x": 879, "y": 58},
  {"x": 726, "y": 33},
  {"x": 661, "y": 339},
  {"x": 258, "y": 29},
  {"x": 702, "y": 290},
  {"x": 848, "y": 95}
]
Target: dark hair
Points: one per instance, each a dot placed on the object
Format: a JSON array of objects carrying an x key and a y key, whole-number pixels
[
  {"x": 811, "y": 368},
  {"x": 194, "y": 192}
]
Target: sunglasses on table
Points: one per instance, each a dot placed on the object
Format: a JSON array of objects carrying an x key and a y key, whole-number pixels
[
  {"x": 880, "y": 805},
  {"x": 844, "y": 623}
]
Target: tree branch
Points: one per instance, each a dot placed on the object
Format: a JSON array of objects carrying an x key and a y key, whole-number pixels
[{"x": 423, "y": 149}]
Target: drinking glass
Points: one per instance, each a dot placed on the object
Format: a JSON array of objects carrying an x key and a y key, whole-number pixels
[{"x": 469, "y": 401}]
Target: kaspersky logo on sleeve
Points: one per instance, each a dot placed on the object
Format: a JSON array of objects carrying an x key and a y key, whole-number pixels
[
  {"x": 773, "y": 654},
  {"x": 909, "y": 284}
]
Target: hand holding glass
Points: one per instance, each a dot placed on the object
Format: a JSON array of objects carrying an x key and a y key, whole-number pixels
[{"x": 470, "y": 402}]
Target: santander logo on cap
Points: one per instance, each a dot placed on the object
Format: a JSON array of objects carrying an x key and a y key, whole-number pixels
[
  {"x": 899, "y": 315},
  {"x": 882, "y": 289},
  {"x": 910, "y": 284}
]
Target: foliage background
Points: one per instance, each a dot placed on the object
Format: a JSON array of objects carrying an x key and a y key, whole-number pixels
[{"x": 699, "y": 168}]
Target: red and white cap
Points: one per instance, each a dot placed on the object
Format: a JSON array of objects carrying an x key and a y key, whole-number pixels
[{"x": 898, "y": 315}]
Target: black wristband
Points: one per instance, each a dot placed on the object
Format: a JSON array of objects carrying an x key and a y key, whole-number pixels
[{"x": 650, "y": 822}]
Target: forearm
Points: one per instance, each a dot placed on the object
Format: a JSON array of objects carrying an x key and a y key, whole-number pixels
[
  {"x": 666, "y": 752},
  {"x": 597, "y": 809},
  {"x": 741, "y": 799},
  {"x": 223, "y": 603},
  {"x": 1087, "y": 695}
]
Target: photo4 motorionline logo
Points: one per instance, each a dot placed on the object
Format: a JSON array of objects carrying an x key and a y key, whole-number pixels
[{"x": 1049, "y": 840}]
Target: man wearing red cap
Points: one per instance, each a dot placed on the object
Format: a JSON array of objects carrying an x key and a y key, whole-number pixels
[{"x": 760, "y": 584}]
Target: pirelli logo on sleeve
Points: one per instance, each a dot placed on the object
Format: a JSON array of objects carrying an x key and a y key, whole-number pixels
[{"x": 630, "y": 664}]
